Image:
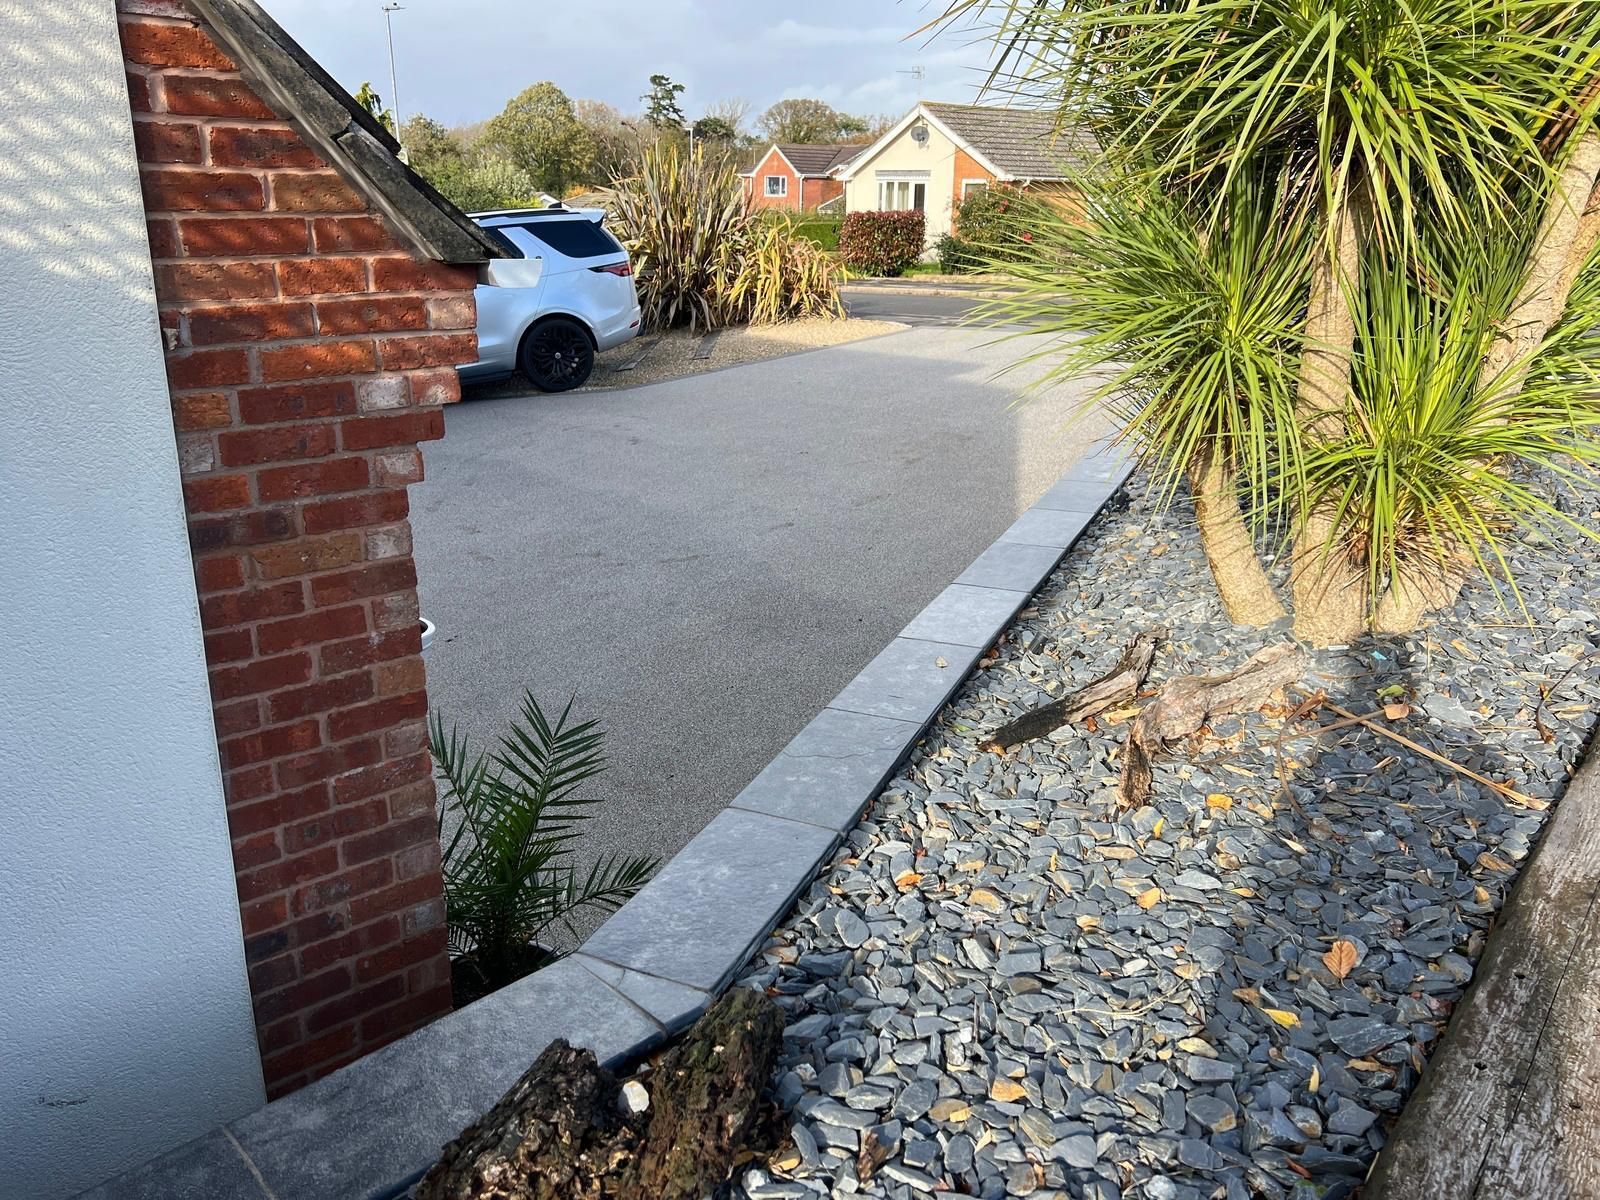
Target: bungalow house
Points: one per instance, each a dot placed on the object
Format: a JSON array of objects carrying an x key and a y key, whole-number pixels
[
  {"x": 796, "y": 177},
  {"x": 233, "y": 314},
  {"x": 938, "y": 154}
]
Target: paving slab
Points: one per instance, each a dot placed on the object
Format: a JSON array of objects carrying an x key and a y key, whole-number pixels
[
  {"x": 1011, "y": 566},
  {"x": 909, "y": 680},
  {"x": 965, "y": 615},
  {"x": 1054, "y": 527},
  {"x": 208, "y": 1168}
]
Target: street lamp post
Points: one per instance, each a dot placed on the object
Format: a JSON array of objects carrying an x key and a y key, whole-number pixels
[{"x": 394, "y": 84}]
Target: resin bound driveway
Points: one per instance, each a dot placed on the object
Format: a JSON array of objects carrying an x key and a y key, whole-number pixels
[{"x": 705, "y": 562}]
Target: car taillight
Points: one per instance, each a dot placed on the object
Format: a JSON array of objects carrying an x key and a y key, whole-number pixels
[{"x": 622, "y": 268}]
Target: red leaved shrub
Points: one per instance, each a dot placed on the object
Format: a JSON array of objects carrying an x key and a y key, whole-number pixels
[{"x": 882, "y": 243}]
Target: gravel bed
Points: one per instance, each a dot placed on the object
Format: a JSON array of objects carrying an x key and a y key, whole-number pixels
[{"x": 1001, "y": 986}]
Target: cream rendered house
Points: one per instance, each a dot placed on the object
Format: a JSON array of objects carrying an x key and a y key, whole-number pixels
[{"x": 938, "y": 154}]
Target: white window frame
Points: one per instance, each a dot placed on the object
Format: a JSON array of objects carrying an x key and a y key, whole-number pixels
[
  {"x": 783, "y": 187},
  {"x": 888, "y": 182},
  {"x": 969, "y": 185}
]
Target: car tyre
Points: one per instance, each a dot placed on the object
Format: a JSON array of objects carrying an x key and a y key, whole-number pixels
[{"x": 557, "y": 355}]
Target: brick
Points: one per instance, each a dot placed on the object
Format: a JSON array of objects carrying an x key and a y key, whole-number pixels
[
  {"x": 346, "y": 235},
  {"x": 398, "y": 468},
  {"x": 219, "y": 573},
  {"x": 164, "y": 141},
  {"x": 307, "y": 555},
  {"x": 378, "y": 508},
  {"x": 329, "y": 762},
  {"x": 208, "y": 369},
  {"x": 286, "y": 873},
  {"x": 197, "y": 453},
  {"x": 201, "y": 189},
  {"x": 257, "y": 604},
  {"x": 244, "y": 529},
  {"x": 393, "y": 541},
  {"x": 284, "y": 444},
  {"x": 403, "y": 429},
  {"x": 370, "y": 937},
  {"x": 406, "y": 274},
  {"x": 140, "y": 99},
  {"x": 247, "y": 784},
  {"x": 296, "y": 402},
  {"x": 323, "y": 276},
  {"x": 319, "y": 697},
  {"x": 321, "y": 191},
  {"x": 244, "y": 237},
  {"x": 361, "y": 652},
  {"x": 293, "y": 999},
  {"x": 342, "y": 823},
  {"x": 178, "y": 282},
  {"x": 396, "y": 898},
  {"x": 433, "y": 350},
  {"x": 346, "y": 1008},
  {"x": 216, "y": 493},
  {"x": 421, "y": 859},
  {"x": 396, "y": 1021},
  {"x": 253, "y": 146},
  {"x": 203, "y": 410},
  {"x": 363, "y": 582},
  {"x": 342, "y": 888},
  {"x": 312, "y": 479},
  {"x": 384, "y": 392},
  {"x": 453, "y": 312},
  {"x": 318, "y": 360},
  {"x": 396, "y": 612},
  {"x": 279, "y": 1036},
  {"x": 213, "y": 96},
  {"x": 282, "y": 809},
  {"x": 324, "y": 626},
  {"x": 274, "y": 973},
  {"x": 318, "y": 926},
  {"x": 272, "y": 743},
  {"x": 399, "y": 956},
  {"x": 382, "y": 777},
  {"x": 398, "y": 678},
  {"x": 163, "y": 236},
  {"x": 256, "y": 851},
  {"x": 419, "y": 797},
  {"x": 421, "y": 917},
  {"x": 378, "y": 715},
  {"x": 158, "y": 44},
  {"x": 371, "y": 314},
  {"x": 250, "y": 322},
  {"x": 431, "y": 389},
  {"x": 263, "y": 915},
  {"x": 233, "y": 645},
  {"x": 266, "y": 675}
]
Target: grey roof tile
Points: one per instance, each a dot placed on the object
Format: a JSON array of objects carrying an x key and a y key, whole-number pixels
[{"x": 1024, "y": 143}]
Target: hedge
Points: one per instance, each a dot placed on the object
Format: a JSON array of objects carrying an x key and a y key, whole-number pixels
[{"x": 882, "y": 243}]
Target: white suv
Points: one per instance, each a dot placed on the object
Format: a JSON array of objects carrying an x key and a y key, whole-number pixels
[{"x": 564, "y": 292}]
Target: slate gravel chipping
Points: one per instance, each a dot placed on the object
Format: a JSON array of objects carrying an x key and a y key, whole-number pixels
[{"x": 1001, "y": 986}]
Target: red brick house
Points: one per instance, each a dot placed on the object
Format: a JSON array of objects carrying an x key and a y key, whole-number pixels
[
  {"x": 796, "y": 177},
  {"x": 308, "y": 297}
]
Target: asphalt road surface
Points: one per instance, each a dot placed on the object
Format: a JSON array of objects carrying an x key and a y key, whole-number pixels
[
  {"x": 705, "y": 562},
  {"x": 889, "y": 304}
]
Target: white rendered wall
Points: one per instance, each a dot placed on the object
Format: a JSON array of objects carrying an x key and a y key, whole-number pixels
[
  {"x": 125, "y": 1021},
  {"x": 937, "y": 156}
]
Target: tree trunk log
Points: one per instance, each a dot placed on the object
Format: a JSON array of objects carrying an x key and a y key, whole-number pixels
[
  {"x": 1242, "y": 582},
  {"x": 1330, "y": 590},
  {"x": 560, "y": 1133},
  {"x": 1185, "y": 704},
  {"x": 1119, "y": 684}
]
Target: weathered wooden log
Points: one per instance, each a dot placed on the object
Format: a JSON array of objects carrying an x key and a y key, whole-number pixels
[
  {"x": 1116, "y": 686},
  {"x": 561, "y": 1134},
  {"x": 1186, "y": 703}
]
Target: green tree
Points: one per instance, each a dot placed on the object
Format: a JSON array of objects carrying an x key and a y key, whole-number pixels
[
  {"x": 714, "y": 129},
  {"x": 615, "y": 139},
  {"x": 539, "y": 133},
  {"x": 1340, "y": 262},
  {"x": 373, "y": 103},
  {"x": 799, "y": 120},
  {"x": 431, "y": 147},
  {"x": 661, "y": 107}
]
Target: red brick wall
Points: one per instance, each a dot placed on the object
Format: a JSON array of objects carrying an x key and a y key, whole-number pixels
[
  {"x": 820, "y": 191},
  {"x": 308, "y": 353},
  {"x": 964, "y": 167},
  {"x": 756, "y": 186}
]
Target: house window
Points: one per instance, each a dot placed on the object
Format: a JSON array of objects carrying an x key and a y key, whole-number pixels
[
  {"x": 902, "y": 195},
  {"x": 777, "y": 185},
  {"x": 968, "y": 186}
]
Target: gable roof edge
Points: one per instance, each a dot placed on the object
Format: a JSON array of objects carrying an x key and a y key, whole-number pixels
[{"x": 847, "y": 170}]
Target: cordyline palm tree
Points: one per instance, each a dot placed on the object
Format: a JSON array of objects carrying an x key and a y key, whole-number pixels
[{"x": 1412, "y": 183}]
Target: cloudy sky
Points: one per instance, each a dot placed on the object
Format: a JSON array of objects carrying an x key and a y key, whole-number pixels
[{"x": 460, "y": 60}]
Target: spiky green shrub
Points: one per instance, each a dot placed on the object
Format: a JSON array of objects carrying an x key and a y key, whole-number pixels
[
  {"x": 702, "y": 258},
  {"x": 882, "y": 243},
  {"x": 509, "y": 827}
]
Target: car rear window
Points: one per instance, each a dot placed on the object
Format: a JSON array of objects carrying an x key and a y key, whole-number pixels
[{"x": 576, "y": 239}]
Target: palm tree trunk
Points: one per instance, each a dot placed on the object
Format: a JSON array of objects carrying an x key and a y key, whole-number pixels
[
  {"x": 1330, "y": 588},
  {"x": 1242, "y": 582},
  {"x": 1568, "y": 232}
]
